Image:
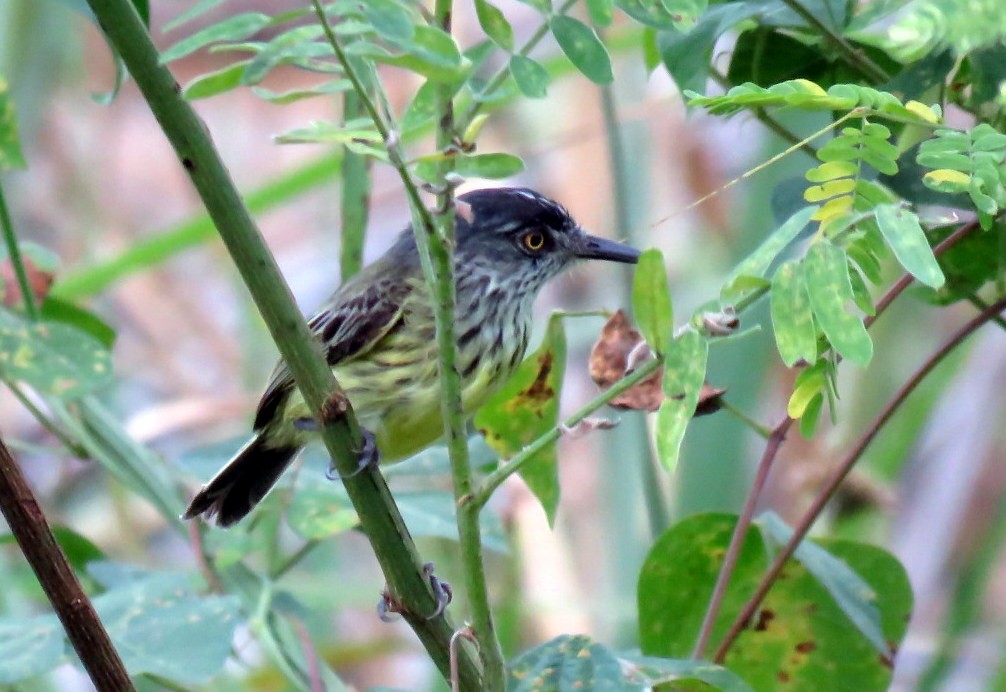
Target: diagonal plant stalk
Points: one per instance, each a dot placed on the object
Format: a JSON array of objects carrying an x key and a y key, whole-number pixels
[
  {"x": 378, "y": 513},
  {"x": 14, "y": 252},
  {"x": 434, "y": 235},
  {"x": 513, "y": 465},
  {"x": 842, "y": 470},
  {"x": 775, "y": 440},
  {"x": 76, "y": 613},
  {"x": 441, "y": 282}
]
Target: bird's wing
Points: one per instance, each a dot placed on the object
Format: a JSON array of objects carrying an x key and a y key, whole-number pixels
[{"x": 348, "y": 327}]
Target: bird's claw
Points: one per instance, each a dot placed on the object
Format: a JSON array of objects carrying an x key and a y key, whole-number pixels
[
  {"x": 390, "y": 609},
  {"x": 367, "y": 457},
  {"x": 442, "y": 591}
]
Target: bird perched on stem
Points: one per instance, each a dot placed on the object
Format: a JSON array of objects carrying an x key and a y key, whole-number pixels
[{"x": 379, "y": 336}]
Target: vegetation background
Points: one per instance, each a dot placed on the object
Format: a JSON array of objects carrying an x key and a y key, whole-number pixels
[{"x": 113, "y": 217}]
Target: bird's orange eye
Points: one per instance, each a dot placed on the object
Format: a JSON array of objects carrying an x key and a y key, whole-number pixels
[{"x": 535, "y": 240}]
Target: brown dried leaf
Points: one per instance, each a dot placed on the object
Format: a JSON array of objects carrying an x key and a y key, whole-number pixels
[
  {"x": 608, "y": 358},
  {"x": 39, "y": 280}
]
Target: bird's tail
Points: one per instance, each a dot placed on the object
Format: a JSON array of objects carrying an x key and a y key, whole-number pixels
[{"x": 245, "y": 480}]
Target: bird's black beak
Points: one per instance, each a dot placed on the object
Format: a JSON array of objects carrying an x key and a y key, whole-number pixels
[{"x": 592, "y": 247}]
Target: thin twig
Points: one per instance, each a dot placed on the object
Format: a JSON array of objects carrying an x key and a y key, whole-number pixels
[
  {"x": 496, "y": 478},
  {"x": 762, "y": 116},
  {"x": 771, "y": 450},
  {"x": 775, "y": 440},
  {"x": 14, "y": 253},
  {"x": 853, "y": 57},
  {"x": 835, "y": 481},
  {"x": 83, "y": 627}
]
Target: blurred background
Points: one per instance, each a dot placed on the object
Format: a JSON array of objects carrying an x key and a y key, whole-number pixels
[{"x": 192, "y": 356}]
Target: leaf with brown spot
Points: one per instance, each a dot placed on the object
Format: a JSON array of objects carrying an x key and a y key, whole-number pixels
[
  {"x": 527, "y": 407},
  {"x": 805, "y": 644}
]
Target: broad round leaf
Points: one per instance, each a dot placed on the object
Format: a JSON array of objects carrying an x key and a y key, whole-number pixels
[{"x": 52, "y": 357}]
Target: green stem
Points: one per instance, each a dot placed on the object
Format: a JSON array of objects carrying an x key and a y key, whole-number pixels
[
  {"x": 441, "y": 281},
  {"x": 762, "y": 116},
  {"x": 14, "y": 252},
  {"x": 355, "y": 199},
  {"x": 842, "y": 470},
  {"x": 378, "y": 513},
  {"x": 496, "y": 478},
  {"x": 294, "y": 559},
  {"x": 853, "y": 57},
  {"x": 72, "y": 446},
  {"x": 761, "y": 430},
  {"x": 657, "y": 513},
  {"x": 497, "y": 79}
]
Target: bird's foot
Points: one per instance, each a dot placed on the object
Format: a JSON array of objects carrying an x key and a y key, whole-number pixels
[
  {"x": 390, "y": 609},
  {"x": 367, "y": 457},
  {"x": 442, "y": 591}
]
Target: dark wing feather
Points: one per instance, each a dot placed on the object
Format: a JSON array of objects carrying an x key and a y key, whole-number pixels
[{"x": 348, "y": 328}]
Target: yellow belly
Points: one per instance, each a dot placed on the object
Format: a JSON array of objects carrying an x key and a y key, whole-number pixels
[{"x": 402, "y": 410}]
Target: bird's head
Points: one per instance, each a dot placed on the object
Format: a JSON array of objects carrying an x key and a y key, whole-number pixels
[{"x": 517, "y": 231}]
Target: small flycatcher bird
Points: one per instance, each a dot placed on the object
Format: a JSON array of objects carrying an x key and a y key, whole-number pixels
[{"x": 379, "y": 336}]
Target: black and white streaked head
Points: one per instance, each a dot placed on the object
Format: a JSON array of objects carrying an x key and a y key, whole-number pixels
[{"x": 522, "y": 236}]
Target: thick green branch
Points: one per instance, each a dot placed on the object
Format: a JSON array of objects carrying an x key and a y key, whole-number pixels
[{"x": 370, "y": 496}]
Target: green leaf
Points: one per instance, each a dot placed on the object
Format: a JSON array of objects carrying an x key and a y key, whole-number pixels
[
  {"x": 218, "y": 82},
  {"x": 601, "y": 11},
  {"x": 235, "y": 28},
  {"x": 284, "y": 97},
  {"x": 10, "y": 144},
  {"x": 431, "y": 53},
  {"x": 422, "y": 108},
  {"x": 492, "y": 166},
  {"x": 792, "y": 319},
  {"x": 58, "y": 310},
  {"x": 800, "y": 635},
  {"x": 494, "y": 24},
  {"x": 543, "y": 6},
  {"x": 651, "y": 301},
  {"x": 320, "y": 510},
  {"x": 583, "y": 48},
  {"x": 650, "y": 671},
  {"x": 684, "y": 373},
  {"x": 566, "y": 663},
  {"x": 827, "y": 273},
  {"x": 685, "y": 12},
  {"x": 334, "y": 133},
  {"x": 759, "y": 261},
  {"x": 389, "y": 19},
  {"x": 160, "y": 629},
  {"x": 852, "y": 594},
  {"x": 648, "y": 12},
  {"x": 904, "y": 234},
  {"x": 200, "y": 8},
  {"x": 52, "y": 358},
  {"x": 530, "y": 77},
  {"x": 29, "y": 647},
  {"x": 278, "y": 49},
  {"x": 526, "y": 407},
  {"x": 688, "y": 556}
]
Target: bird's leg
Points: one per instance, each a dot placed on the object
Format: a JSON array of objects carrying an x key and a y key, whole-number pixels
[{"x": 367, "y": 456}]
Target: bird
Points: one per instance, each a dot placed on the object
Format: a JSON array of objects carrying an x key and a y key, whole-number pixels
[{"x": 379, "y": 337}]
